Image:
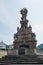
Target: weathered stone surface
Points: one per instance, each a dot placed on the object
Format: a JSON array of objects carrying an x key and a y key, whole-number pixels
[{"x": 24, "y": 36}]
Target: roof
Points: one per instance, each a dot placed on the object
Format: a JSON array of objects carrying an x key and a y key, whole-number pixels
[{"x": 2, "y": 43}]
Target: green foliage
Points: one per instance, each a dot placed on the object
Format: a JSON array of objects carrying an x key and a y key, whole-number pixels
[
  {"x": 2, "y": 48},
  {"x": 40, "y": 46},
  {"x": 7, "y": 47}
]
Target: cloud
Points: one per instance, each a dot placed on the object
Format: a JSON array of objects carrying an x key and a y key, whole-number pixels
[
  {"x": 10, "y": 19},
  {"x": 5, "y": 17},
  {"x": 8, "y": 39},
  {"x": 31, "y": 1},
  {"x": 28, "y": 1},
  {"x": 38, "y": 29}
]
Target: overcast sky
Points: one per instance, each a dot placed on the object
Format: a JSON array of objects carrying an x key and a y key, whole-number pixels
[{"x": 10, "y": 18}]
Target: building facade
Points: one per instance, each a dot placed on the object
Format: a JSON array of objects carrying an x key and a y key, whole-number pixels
[{"x": 2, "y": 45}]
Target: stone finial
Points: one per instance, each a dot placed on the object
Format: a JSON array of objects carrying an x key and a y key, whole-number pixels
[
  {"x": 23, "y": 18},
  {"x": 24, "y": 11},
  {"x": 17, "y": 28},
  {"x": 24, "y": 14}
]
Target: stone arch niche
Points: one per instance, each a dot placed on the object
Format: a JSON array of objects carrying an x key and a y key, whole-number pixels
[{"x": 21, "y": 50}]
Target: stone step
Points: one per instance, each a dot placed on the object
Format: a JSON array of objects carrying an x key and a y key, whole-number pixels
[
  {"x": 13, "y": 61},
  {"x": 12, "y": 57},
  {"x": 19, "y": 59}
]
